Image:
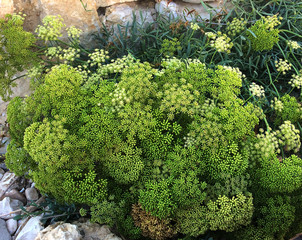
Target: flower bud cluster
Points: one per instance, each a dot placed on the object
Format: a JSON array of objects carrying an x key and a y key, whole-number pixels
[
  {"x": 283, "y": 66},
  {"x": 293, "y": 44},
  {"x": 289, "y": 137},
  {"x": 35, "y": 71},
  {"x": 236, "y": 70},
  {"x": 207, "y": 108},
  {"x": 172, "y": 63},
  {"x": 53, "y": 52},
  {"x": 190, "y": 140},
  {"x": 83, "y": 71},
  {"x": 207, "y": 134},
  {"x": 98, "y": 57},
  {"x": 74, "y": 32},
  {"x": 179, "y": 99},
  {"x": 222, "y": 43},
  {"x": 51, "y": 28},
  {"x": 277, "y": 104},
  {"x": 119, "y": 99},
  {"x": 256, "y": 90},
  {"x": 271, "y": 21},
  {"x": 236, "y": 26},
  {"x": 296, "y": 80},
  {"x": 18, "y": 17},
  {"x": 211, "y": 35},
  {"x": 195, "y": 62},
  {"x": 116, "y": 65},
  {"x": 69, "y": 54},
  {"x": 267, "y": 144},
  {"x": 194, "y": 26}
]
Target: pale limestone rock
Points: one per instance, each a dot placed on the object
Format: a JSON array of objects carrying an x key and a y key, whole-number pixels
[
  {"x": 8, "y": 205},
  {"x": 107, "y": 3},
  {"x": 181, "y": 9},
  {"x": 6, "y": 181},
  {"x": 6, "y": 7},
  {"x": 31, "y": 229},
  {"x": 123, "y": 13},
  {"x": 31, "y": 194},
  {"x": 4, "y": 234},
  {"x": 12, "y": 226},
  {"x": 62, "y": 231}
]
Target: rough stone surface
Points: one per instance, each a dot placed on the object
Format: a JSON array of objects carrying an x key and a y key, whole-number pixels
[
  {"x": 2, "y": 172},
  {"x": 31, "y": 194},
  {"x": 197, "y": 1},
  {"x": 4, "y": 234},
  {"x": 62, "y": 231},
  {"x": 6, "y": 181},
  {"x": 30, "y": 230},
  {"x": 181, "y": 9},
  {"x": 112, "y": 237},
  {"x": 123, "y": 13},
  {"x": 22, "y": 89},
  {"x": 15, "y": 194},
  {"x": 94, "y": 231},
  {"x": 106, "y": 3},
  {"x": 8, "y": 205},
  {"x": 12, "y": 226},
  {"x": 6, "y": 6}
]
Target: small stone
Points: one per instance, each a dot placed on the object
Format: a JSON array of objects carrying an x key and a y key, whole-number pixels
[
  {"x": 4, "y": 234},
  {"x": 12, "y": 226},
  {"x": 31, "y": 194},
  {"x": 8, "y": 205},
  {"x": 15, "y": 194}
]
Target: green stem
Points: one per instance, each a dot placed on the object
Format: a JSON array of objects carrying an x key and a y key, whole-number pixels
[
  {"x": 266, "y": 123},
  {"x": 12, "y": 80},
  {"x": 271, "y": 80},
  {"x": 213, "y": 57}
]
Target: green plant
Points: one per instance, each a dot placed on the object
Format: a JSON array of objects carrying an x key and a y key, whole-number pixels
[
  {"x": 184, "y": 146},
  {"x": 16, "y": 51}
]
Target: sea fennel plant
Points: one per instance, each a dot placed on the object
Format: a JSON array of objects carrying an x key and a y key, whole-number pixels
[{"x": 172, "y": 150}]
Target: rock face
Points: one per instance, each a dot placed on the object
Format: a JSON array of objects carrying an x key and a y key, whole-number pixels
[{"x": 89, "y": 15}]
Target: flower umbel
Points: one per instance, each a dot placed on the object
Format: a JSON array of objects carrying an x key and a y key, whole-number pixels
[
  {"x": 51, "y": 28},
  {"x": 222, "y": 43},
  {"x": 293, "y": 44},
  {"x": 296, "y": 80},
  {"x": 194, "y": 26},
  {"x": 283, "y": 66},
  {"x": 256, "y": 90}
]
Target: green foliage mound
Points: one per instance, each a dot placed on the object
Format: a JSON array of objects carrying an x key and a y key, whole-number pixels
[
  {"x": 145, "y": 136},
  {"x": 169, "y": 148}
]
